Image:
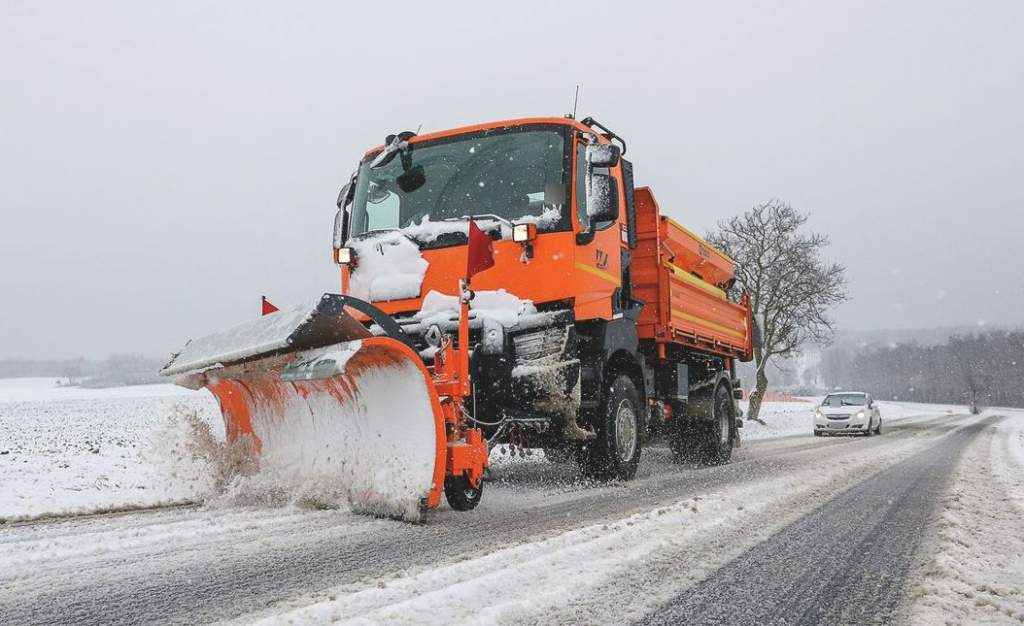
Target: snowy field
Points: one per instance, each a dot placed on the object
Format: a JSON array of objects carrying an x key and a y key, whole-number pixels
[{"x": 66, "y": 450}]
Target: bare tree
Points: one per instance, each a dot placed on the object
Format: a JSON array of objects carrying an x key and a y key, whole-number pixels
[
  {"x": 984, "y": 369},
  {"x": 969, "y": 354},
  {"x": 791, "y": 287}
]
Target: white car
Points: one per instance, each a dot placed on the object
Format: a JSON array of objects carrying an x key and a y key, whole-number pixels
[{"x": 847, "y": 412}]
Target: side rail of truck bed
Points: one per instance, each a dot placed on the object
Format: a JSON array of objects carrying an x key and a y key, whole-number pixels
[{"x": 680, "y": 278}]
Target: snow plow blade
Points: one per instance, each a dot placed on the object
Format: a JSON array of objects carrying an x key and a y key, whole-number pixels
[{"x": 320, "y": 404}]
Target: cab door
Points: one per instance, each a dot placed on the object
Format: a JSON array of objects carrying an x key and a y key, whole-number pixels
[{"x": 603, "y": 242}]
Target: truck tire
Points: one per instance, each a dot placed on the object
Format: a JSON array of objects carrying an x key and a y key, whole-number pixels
[
  {"x": 461, "y": 494},
  {"x": 716, "y": 447},
  {"x": 615, "y": 452}
]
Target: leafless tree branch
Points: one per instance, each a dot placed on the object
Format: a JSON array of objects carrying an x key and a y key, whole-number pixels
[{"x": 792, "y": 288}]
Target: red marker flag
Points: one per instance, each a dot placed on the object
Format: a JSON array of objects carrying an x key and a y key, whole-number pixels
[
  {"x": 268, "y": 308},
  {"x": 481, "y": 250}
]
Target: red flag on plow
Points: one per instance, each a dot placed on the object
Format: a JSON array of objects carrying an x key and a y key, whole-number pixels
[
  {"x": 481, "y": 250},
  {"x": 268, "y": 308}
]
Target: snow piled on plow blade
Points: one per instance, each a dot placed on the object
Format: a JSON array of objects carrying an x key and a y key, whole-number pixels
[
  {"x": 325, "y": 412},
  {"x": 374, "y": 452},
  {"x": 316, "y": 324}
]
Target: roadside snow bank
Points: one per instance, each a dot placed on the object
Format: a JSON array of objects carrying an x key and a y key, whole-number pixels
[
  {"x": 110, "y": 449},
  {"x": 788, "y": 419},
  {"x": 975, "y": 574}
]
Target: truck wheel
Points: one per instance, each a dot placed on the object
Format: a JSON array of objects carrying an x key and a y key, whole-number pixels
[
  {"x": 615, "y": 453},
  {"x": 718, "y": 436},
  {"x": 461, "y": 494}
]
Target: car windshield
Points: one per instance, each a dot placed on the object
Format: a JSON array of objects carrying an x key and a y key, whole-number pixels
[
  {"x": 508, "y": 175},
  {"x": 845, "y": 399}
]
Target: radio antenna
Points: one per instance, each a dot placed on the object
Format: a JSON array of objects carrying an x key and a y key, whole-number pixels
[{"x": 575, "y": 100}]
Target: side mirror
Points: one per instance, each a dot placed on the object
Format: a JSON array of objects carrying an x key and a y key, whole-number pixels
[
  {"x": 348, "y": 191},
  {"x": 603, "y": 155},
  {"x": 412, "y": 180},
  {"x": 602, "y": 197},
  {"x": 345, "y": 195},
  {"x": 339, "y": 229}
]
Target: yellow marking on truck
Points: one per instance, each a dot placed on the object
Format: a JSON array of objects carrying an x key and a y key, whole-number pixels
[
  {"x": 696, "y": 282},
  {"x": 590, "y": 269},
  {"x": 700, "y": 320}
]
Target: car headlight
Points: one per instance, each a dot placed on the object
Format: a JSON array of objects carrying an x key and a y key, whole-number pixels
[
  {"x": 818, "y": 413},
  {"x": 860, "y": 414}
]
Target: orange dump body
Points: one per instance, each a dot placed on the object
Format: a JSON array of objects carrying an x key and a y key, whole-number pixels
[{"x": 680, "y": 278}]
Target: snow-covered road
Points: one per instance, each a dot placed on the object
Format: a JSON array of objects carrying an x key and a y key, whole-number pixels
[{"x": 543, "y": 546}]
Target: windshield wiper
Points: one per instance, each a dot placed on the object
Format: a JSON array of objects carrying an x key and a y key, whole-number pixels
[
  {"x": 381, "y": 231},
  {"x": 489, "y": 216}
]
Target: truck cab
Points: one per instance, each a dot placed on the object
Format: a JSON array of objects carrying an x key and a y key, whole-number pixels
[
  {"x": 556, "y": 322},
  {"x": 532, "y": 173}
]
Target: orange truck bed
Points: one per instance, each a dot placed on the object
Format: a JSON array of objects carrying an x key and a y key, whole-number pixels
[{"x": 682, "y": 281}]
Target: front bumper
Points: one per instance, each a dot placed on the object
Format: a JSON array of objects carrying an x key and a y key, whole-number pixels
[{"x": 854, "y": 425}]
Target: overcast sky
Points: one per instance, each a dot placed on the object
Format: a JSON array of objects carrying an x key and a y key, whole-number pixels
[{"x": 164, "y": 164}]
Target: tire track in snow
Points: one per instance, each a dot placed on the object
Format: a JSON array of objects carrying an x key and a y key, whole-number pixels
[{"x": 844, "y": 563}]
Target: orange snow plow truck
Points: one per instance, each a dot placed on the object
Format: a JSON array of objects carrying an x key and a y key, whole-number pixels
[{"x": 593, "y": 325}]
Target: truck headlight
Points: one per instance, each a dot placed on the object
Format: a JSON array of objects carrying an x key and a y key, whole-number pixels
[
  {"x": 818, "y": 413},
  {"x": 860, "y": 414},
  {"x": 521, "y": 233},
  {"x": 344, "y": 256}
]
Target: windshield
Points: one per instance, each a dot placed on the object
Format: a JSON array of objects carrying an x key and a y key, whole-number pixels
[
  {"x": 512, "y": 174},
  {"x": 845, "y": 399}
]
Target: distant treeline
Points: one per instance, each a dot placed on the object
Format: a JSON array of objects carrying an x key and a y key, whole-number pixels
[
  {"x": 988, "y": 367},
  {"x": 114, "y": 371}
]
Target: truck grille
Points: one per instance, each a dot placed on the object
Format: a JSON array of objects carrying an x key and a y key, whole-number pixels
[{"x": 539, "y": 344}]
